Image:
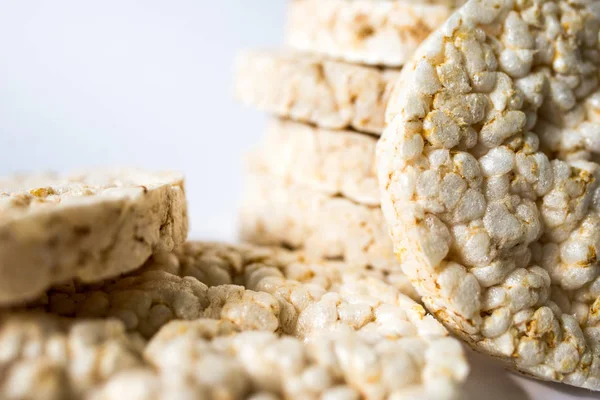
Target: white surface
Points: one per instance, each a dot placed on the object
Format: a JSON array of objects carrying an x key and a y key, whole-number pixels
[
  {"x": 490, "y": 381},
  {"x": 148, "y": 83}
]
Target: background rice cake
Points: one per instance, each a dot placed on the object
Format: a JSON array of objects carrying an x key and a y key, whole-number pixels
[
  {"x": 276, "y": 213},
  {"x": 328, "y": 161},
  {"x": 314, "y": 90},
  {"x": 363, "y": 31}
]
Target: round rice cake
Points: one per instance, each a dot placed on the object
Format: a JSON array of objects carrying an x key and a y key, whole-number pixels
[
  {"x": 311, "y": 89},
  {"x": 400, "y": 352},
  {"x": 364, "y": 31},
  {"x": 331, "y": 321},
  {"x": 498, "y": 232},
  {"x": 252, "y": 288},
  {"x": 333, "y": 162},
  {"x": 146, "y": 300},
  {"x": 323, "y": 226},
  {"x": 339, "y": 364},
  {"x": 300, "y": 286},
  {"x": 190, "y": 361},
  {"x": 88, "y": 226},
  {"x": 47, "y": 357}
]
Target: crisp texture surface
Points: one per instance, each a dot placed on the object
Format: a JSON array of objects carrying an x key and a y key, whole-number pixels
[
  {"x": 88, "y": 226},
  {"x": 363, "y": 338},
  {"x": 498, "y": 226},
  {"x": 197, "y": 281},
  {"x": 333, "y": 162},
  {"x": 276, "y": 213},
  {"x": 363, "y": 31},
  {"x": 204, "y": 359},
  {"x": 251, "y": 288},
  {"x": 308, "y": 88},
  {"x": 49, "y": 358},
  {"x": 319, "y": 328}
]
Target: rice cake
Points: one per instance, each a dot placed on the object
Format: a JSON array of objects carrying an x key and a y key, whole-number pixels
[
  {"x": 328, "y": 161},
  {"x": 89, "y": 226},
  {"x": 356, "y": 335},
  {"x": 276, "y": 213},
  {"x": 497, "y": 232},
  {"x": 311, "y": 89},
  {"x": 194, "y": 359},
  {"x": 46, "y": 357},
  {"x": 218, "y": 281},
  {"x": 363, "y": 31},
  {"x": 324, "y": 309}
]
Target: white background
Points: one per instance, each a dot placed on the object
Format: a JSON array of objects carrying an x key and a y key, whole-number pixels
[
  {"x": 148, "y": 83},
  {"x": 136, "y": 83}
]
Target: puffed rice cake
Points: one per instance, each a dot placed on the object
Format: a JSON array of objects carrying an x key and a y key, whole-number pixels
[
  {"x": 295, "y": 328},
  {"x": 88, "y": 226},
  {"x": 50, "y": 358},
  {"x": 328, "y": 161},
  {"x": 198, "y": 359},
  {"x": 497, "y": 232},
  {"x": 364, "y": 31},
  {"x": 309, "y": 88},
  {"x": 252, "y": 288},
  {"x": 349, "y": 333},
  {"x": 274, "y": 212}
]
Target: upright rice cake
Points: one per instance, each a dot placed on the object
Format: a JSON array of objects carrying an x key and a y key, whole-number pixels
[
  {"x": 364, "y": 31},
  {"x": 328, "y": 161},
  {"x": 89, "y": 226},
  {"x": 311, "y": 89},
  {"x": 499, "y": 234}
]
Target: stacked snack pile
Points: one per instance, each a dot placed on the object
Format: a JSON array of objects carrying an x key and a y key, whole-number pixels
[
  {"x": 483, "y": 181},
  {"x": 312, "y": 183},
  {"x": 191, "y": 319}
]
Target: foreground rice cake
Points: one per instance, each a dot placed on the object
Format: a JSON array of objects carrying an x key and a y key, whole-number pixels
[
  {"x": 328, "y": 161},
  {"x": 276, "y": 213},
  {"x": 342, "y": 332},
  {"x": 497, "y": 232},
  {"x": 364, "y": 31},
  {"x": 251, "y": 288},
  {"x": 310, "y": 89},
  {"x": 202, "y": 359},
  {"x": 268, "y": 323},
  {"x": 89, "y": 226},
  {"x": 47, "y": 357}
]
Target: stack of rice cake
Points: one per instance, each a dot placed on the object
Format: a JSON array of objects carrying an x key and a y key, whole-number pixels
[
  {"x": 118, "y": 305},
  {"x": 312, "y": 183}
]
